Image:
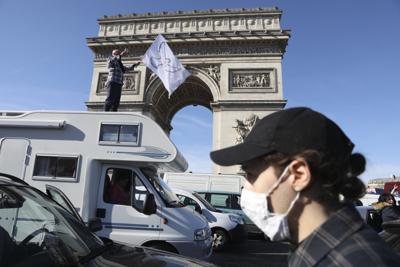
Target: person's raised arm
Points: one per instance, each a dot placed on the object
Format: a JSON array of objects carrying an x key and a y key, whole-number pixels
[{"x": 134, "y": 66}]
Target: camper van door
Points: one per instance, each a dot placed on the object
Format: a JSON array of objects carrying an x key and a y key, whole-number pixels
[
  {"x": 14, "y": 156},
  {"x": 120, "y": 203}
]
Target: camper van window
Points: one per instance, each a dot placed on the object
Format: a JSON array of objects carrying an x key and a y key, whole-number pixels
[
  {"x": 140, "y": 194},
  {"x": 55, "y": 167},
  {"x": 119, "y": 134},
  {"x": 163, "y": 189},
  {"x": 117, "y": 186}
]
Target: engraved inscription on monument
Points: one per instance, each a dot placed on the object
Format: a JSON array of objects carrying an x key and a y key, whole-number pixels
[
  {"x": 254, "y": 80},
  {"x": 131, "y": 83}
]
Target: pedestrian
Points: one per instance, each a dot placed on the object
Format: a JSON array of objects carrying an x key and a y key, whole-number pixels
[
  {"x": 115, "y": 79},
  {"x": 302, "y": 181},
  {"x": 387, "y": 207}
]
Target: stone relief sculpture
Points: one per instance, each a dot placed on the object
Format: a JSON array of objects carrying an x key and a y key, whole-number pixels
[
  {"x": 129, "y": 86},
  {"x": 243, "y": 127},
  {"x": 252, "y": 80},
  {"x": 102, "y": 83},
  {"x": 129, "y": 83},
  {"x": 214, "y": 72}
]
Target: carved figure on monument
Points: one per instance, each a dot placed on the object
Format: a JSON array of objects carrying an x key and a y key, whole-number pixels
[
  {"x": 243, "y": 127},
  {"x": 129, "y": 83},
  {"x": 265, "y": 82},
  {"x": 214, "y": 72},
  {"x": 102, "y": 83}
]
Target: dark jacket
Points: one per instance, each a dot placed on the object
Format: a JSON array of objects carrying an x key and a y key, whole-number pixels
[
  {"x": 390, "y": 213},
  {"x": 344, "y": 240}
]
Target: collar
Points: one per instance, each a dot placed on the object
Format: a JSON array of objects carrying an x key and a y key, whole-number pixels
[
  {"x": 114, "y": 57},
  {"x": 339, "y": 226}
]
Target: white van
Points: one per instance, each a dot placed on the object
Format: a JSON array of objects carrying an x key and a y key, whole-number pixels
[
  {"x": 205, "y": 182},
  {"x": 107, "y": 165},
  {"x": 227, "y": 228}
]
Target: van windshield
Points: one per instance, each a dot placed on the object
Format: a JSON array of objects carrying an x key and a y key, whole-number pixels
[
  {"x": 38, "y": 224},
  {"x": 163, "y": 190}
]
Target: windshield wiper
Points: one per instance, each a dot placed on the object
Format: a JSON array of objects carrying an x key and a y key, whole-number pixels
[{"x": 97, "y": 252}]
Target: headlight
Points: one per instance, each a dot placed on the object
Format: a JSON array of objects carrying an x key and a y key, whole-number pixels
[
  {"x": 201, "y": 234},
  {"x": 236, "y": 219}
]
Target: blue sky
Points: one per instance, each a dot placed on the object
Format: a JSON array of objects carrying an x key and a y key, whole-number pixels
[{"x": 343, "y": 59}]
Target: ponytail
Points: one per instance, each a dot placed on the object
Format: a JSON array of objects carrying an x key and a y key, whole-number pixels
[
  {"x": 335, "y": 178},
  {"x": 352, "y": 187}
]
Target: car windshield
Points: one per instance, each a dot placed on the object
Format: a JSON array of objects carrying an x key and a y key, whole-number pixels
[
  {"x": 163, "y": 189},
  {"x": 33, "y": 221},
  {"x": 205, "y": 202}
]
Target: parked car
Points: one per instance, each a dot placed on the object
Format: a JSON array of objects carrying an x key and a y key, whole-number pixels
[
  {"x": 35, "y": 230},
  {"x": 227, "y": 228},
  {"x": 230, "y": 202}
]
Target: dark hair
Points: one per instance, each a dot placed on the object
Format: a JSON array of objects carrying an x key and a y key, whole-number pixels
[
  {"x": 334, "y": 177},
  {"x": 385, "y": 197}
]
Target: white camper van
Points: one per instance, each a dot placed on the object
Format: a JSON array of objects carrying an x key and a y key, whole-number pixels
[
  {"x": 107, "y": 165},
  {"x": 204, "y": 181}
]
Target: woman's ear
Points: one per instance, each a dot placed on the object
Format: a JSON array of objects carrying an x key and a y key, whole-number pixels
[{"x": 301, "y": 174}]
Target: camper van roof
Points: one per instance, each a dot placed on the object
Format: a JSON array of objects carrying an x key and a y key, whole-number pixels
[{"x": 145, "y": 142}]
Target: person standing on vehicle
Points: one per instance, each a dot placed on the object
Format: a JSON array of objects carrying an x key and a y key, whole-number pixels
[
  {"x": 302, "y": 180},
  {"x": 115, "y": 79}
]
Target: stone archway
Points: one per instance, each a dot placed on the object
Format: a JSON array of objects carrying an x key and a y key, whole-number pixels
[
  {"x": 234, "y": 55},
  {"x": 198, "y": 89}
]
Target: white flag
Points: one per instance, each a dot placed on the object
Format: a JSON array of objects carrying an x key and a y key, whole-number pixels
[{"x": 160, "y": 59}]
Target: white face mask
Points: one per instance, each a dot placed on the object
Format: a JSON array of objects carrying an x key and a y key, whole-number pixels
[{"x": 255, "y": 206}]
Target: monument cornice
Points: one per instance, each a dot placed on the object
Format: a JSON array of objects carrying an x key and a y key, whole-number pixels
[
  {"x": 232, "y": 44},
  {"x": 194, "y": 36},
  {"x": 193, "y": 13},
  {"x": 199, "y": 51},
  {"x": 191, "y": 22}
]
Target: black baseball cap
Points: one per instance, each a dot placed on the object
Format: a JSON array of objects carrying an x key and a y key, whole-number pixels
[{"x": 290, "y": 132}]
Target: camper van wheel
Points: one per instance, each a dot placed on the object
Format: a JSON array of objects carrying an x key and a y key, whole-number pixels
[
  {"x": 220, "y": 239},
  {"x": 163, "y": 246}
]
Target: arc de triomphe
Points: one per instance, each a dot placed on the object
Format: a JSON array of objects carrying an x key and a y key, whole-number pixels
[{"x": 234, "y": 55}]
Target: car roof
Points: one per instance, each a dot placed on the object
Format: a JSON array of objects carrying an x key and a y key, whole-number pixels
[{"x": 8, "y": 181}]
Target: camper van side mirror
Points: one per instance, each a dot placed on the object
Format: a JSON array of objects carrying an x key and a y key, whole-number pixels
[{"x": 150, "y": 206}]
